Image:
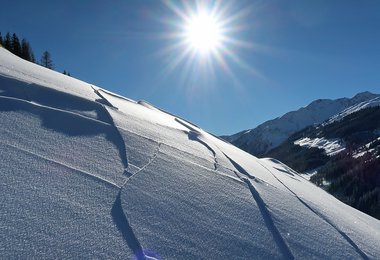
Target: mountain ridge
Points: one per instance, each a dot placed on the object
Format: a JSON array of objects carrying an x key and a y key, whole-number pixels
[{"x": 271, "y": 133}]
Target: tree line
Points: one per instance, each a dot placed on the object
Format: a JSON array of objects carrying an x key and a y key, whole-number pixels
[
  {"x": 20, "y": 48},
  {"x": 23, "y": 49},
  {"x": 355, "y": 181}
]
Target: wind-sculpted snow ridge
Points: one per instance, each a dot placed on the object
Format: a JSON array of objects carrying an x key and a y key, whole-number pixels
[{"x": 86, "y": 173}]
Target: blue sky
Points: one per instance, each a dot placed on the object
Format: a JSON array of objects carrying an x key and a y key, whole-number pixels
[{"x": 298, "y": 51}]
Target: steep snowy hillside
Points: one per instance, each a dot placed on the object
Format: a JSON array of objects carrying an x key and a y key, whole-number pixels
[
  {"x": 272, "y": 133},
  {"x": 86, "y": 173}
]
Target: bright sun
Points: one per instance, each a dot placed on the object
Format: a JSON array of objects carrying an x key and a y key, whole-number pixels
[
  {"x": 204, "y": 38},
  {"x": 203, "y": 32}
]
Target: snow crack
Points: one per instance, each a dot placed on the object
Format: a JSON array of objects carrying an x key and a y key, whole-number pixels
[
  {"x": 120, "y": 144},
  {"x": 267, "y": 217},
  {"x": 85, "y": 173},
  {"x": 320, "y": 215},
  {"x": 119, "y": 217},
  {"x": 143, "y": 167},
  {"x": 121, "y": 220},
  {"x": 195, "y": 136},
  {"x": 126, "y": 230},
  {"x": 102, "y": 99}
]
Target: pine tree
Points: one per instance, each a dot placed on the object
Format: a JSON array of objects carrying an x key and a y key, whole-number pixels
[
  {"x": 26, "y": 51},
  {"x": 32, "y": 58},
  {"x": 46, "y": 60},
  {"x": 16, "y": 46},
  {"x": 66, "y": 73},
  {"x": 1, "y": 40},
  {"x": 25, "y": 54},
  {"x": 8, "y": 42}
]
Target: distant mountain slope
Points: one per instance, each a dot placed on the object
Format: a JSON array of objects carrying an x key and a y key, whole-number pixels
[
  {"x": 344, "y": 156},
  {"x": 86, "y": 173},
  {"x": 272, "y": 133}
]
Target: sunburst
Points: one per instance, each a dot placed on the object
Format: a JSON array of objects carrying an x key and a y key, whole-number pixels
[{"x": 203, "y": 39}]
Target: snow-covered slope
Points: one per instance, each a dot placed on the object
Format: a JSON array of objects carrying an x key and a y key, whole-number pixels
[
  {"x": 272, "y": 133},
  {"x": 330, "y": 147},
  {"x": 86, "y": 173}
]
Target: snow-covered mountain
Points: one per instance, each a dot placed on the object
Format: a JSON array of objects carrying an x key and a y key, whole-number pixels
[
  {"x": 272, "y": 133},
  {"x": 342, "y": 155},
  {"x": 86, "y": 173}
]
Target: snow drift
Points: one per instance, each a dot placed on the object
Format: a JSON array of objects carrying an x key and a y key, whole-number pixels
[{"x": 86, "y": 173}]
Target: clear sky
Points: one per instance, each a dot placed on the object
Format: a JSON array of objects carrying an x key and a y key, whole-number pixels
[{"x": 283, "y": 54}]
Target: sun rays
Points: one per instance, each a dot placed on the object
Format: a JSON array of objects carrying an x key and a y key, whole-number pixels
[{"x": 204, "y": 39}]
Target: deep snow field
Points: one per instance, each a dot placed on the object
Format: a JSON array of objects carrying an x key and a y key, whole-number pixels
[{"x": 86, "y": 173}]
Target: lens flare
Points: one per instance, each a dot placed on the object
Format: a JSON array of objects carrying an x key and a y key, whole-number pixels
[
  {"x": 203, "y": 32},
  {"x": 204, "y": 39}
]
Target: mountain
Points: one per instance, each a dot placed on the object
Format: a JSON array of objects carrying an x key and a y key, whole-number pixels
[
  {"x": 272, "y": 133},
  {"x": 343, "y": 155},
  {"x": 86, "y": 173}
]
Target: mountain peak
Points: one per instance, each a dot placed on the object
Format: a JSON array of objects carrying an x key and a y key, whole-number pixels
[{"x": 366, "y": 95}]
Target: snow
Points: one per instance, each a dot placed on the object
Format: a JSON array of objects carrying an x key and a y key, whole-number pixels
[
  {"x": 87, "y": 173},
  {"x": 365, "y": 149},
  {"x": 370, "y": 143},
  {"x": 308, "y": 174},
  {"x": 330, "y": 146},
  {"x": 360, "y": 154}
]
